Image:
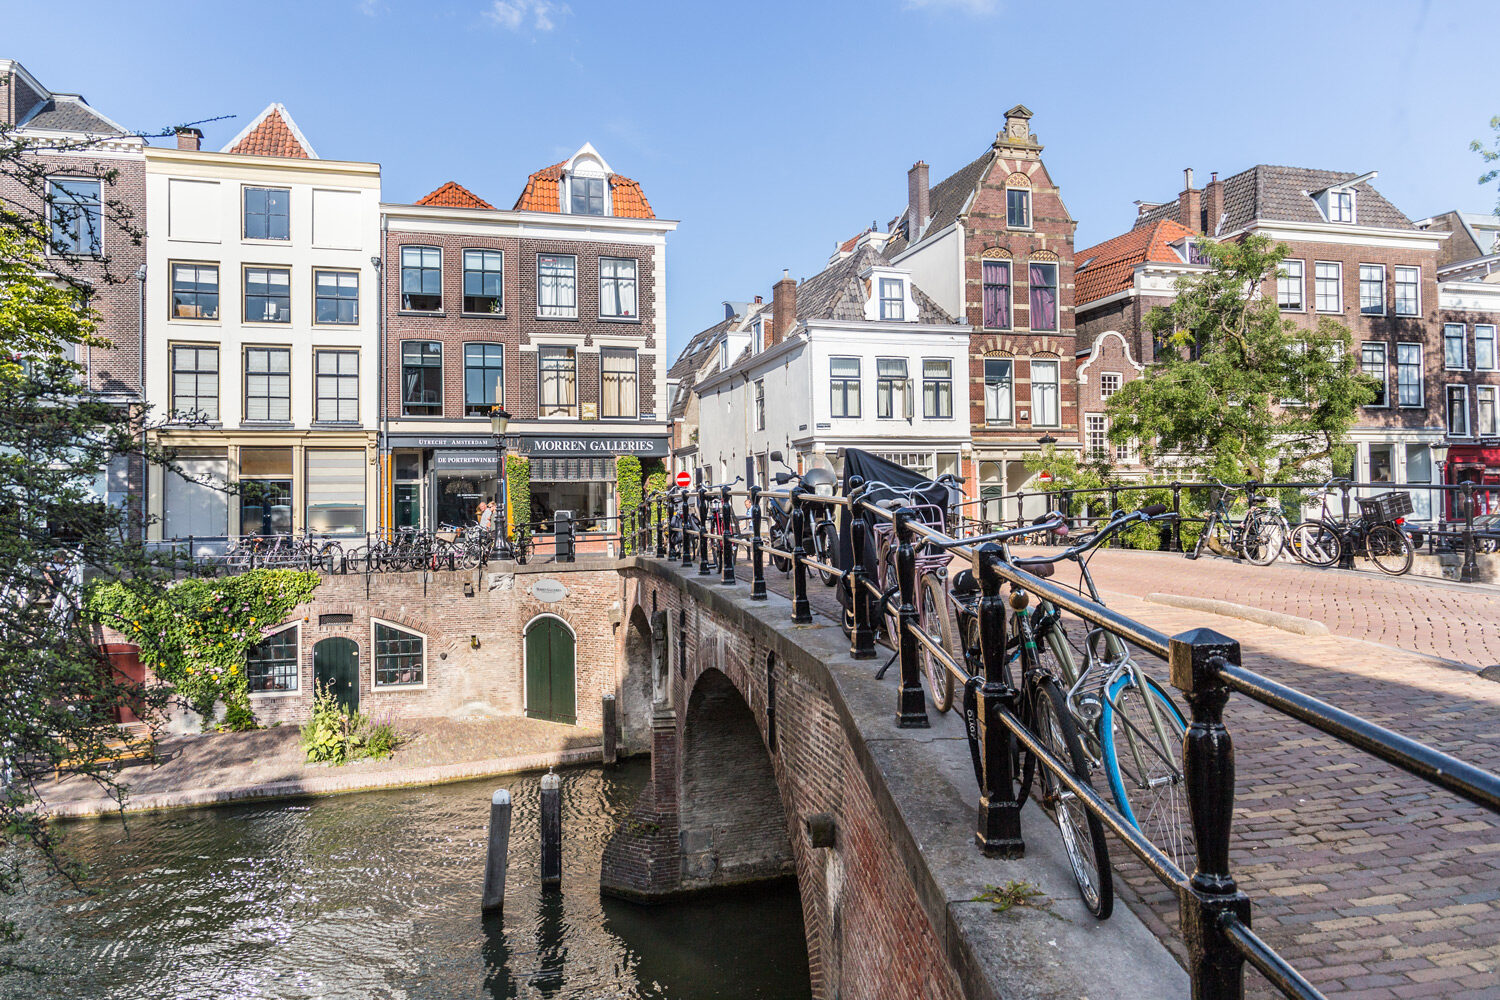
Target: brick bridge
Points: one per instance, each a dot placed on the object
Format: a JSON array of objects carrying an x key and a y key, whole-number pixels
[{"x": 768, "y": 741}]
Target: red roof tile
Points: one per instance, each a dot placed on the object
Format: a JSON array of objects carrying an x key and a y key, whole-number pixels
[
  {"x": 542, "y": 194},
  {"x": 454, "y": 195},
  {"x": 1109, "y": 267},
  {"x": 273, "y": 135}
]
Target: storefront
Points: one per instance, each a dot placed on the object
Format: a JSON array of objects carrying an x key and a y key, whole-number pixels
[
  {"x": 440, "y": 480},
  {"x": 1478, "y": 464}
]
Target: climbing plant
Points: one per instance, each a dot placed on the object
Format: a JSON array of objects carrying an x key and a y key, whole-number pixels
[
  {"x": 195, "y": 633},
  {"x": 518, "y": 483},
  {"x": 627, "y": 490}
]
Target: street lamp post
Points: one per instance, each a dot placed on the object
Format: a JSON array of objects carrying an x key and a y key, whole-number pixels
[{"x": 499, "y": 421}]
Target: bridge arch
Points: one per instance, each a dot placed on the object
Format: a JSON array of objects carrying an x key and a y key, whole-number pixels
[
  {"x": 731, "y": 817},
  {"x": 636, "y": 681}
]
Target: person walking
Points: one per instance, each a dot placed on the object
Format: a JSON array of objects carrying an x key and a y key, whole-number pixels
[{"x": 486, "y": 513}]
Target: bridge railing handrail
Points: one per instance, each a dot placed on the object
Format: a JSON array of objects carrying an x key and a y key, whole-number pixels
[{"x": 1205, "y": 666}]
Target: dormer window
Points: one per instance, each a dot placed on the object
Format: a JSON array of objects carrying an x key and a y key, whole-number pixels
[
  {"x": 1341, "y": 206},
  {"x": 760, "y": 336},
  {"x": 892, "y": 299},
  {"x": 1191, "y": 252},
  {"x": 588, "y": 195}
]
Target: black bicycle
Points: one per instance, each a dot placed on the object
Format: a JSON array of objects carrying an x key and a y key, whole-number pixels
[{"x": 1375, "y": 533}]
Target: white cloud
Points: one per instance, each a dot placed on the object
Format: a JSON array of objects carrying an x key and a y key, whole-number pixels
[
  {"x": 371, "y": 8},
  {"x": 978, "y": 8},
  {"x": 513, "y": 15}
]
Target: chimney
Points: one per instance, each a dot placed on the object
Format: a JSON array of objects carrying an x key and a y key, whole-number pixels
[
  {"x": 916, "y": 201},
  {"x": 1190, "y": 204},
  {"x": 1213, "y": 204},
  {"x": 189, "y": 138},
  {"x": 783, "y": 307},
  {"x": 758, "y": 300}
]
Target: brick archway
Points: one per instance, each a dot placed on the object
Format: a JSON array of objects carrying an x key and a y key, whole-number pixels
[
  {"x": 732, "y": 822},
  {"x": 636, "y": 683}
]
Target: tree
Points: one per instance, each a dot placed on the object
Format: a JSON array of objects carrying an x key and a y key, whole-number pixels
[
  {"x": 1239, "y": 391},
  {"x": 1490, "y": 156}
]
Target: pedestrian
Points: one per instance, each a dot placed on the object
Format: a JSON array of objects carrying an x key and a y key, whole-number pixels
[{"x": 486, "y": 515}]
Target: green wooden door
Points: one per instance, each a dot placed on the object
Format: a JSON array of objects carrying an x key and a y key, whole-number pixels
[
  {"x": 549, "y": 672},
  {"x": 336, "y": 664}
]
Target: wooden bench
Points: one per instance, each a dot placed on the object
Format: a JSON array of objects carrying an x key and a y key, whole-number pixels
[{"x": 137, "y": 744}]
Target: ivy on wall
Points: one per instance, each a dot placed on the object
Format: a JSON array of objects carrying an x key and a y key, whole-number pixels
[
  {"x": 627, "y": 491},
  {"x": 518, "y": 483},
  {"x": 194, "y": 634}
]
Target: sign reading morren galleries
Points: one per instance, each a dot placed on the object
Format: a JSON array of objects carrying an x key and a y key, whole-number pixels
[{"x": 647, "y": 446}]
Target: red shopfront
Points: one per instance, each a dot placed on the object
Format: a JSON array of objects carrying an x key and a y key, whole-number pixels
[{"x": 1477, "y": 464}]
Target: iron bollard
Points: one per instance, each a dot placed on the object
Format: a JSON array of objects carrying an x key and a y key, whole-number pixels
[
  {"x": 861, "y": 634},
  {"x": 1215, "y": 967},
  {"x": 661, "y": 549},
  {"x": 1020, "y": 507},
  {"x": 705, "y": 567},
  {"x": 726, "y": 544},
  {"x": 1177, "y": 521},
  {"x": 911, "y": 710},
  {"x": 999, "y": 831},
  {"x": 757, "y": 556},
  {"x": 1469, "y": 572},
  {"x": 801, "y": 610},
  {"x": 1346, "y": 552}
]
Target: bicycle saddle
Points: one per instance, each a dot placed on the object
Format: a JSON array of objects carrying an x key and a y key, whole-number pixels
[
  {"x": 964, "y": 583},
  {"x": 1041, "y": 568}
]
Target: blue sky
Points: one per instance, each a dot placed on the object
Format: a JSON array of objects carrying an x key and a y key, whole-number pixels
[{"x": 771, "y": 130}]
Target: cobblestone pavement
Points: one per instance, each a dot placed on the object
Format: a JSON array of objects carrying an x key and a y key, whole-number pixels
[
  {"x": 1372, "y": 883},
  {"x": 223, "y": 765},
  {"x": 1456, "y": 621}
]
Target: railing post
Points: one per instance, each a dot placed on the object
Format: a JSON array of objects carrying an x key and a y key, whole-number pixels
[
  {"x": 757, "y": 556},
  {"x": 661, "y": 547},
  {"x": 1020, "y": 508},
  {"x": 999, "y": 831},
  {"x": 1177, "y": 521},
  {"x": 1114, "y": 505},
  {"x": 687, "y": 546},
  {"x": 1470, "y": 569},
  {"x": 726, "y": 544},
  {"x": 1346, "y": 553},
  {"x": 861, "y": 633},
  {"x": 911, "y": 710},
  {"x": 801, "y": 610},
  {"x": 1215, "y": 968},
  {"x": 705, "y": 567}
]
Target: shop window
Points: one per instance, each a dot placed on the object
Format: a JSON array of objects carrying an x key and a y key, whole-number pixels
[
  {"x": 273, "y": 663},
  {"x": 265, "y": 491},
  {"x": 335, "y": 491}
]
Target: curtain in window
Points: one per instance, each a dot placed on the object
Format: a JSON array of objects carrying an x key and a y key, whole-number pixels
[
  {"x": 556, "y": 287},
  {"x": 997, "y": 390},
  {"x": 1044, "y": 393},
  {"x": 619, "y": 382},
  {"x": 997, "y": 294},
  {"x": 1043, "y": 296}
]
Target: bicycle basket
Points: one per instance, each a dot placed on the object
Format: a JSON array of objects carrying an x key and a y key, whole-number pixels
[
  {"x": 1383, "y": 508},
  {"x": 1216, "y": 496}
]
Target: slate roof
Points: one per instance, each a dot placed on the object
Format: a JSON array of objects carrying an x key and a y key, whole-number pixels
[
  {"x": 1283, "y": 194},
  {"x": 541, "y": 194},
  {"x": 272, "y": 133},
  {"x": 453, "y": 195},
  {"x": 945, "y": 200},
  {"x": 1110, "y": 266},
  {"x": 686, "y": 365},
  {"x": 837, "y": 292},
  {"x": 70, "y": 113}
]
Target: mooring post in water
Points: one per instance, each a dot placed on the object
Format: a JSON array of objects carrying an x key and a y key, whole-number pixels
[
  {"x": 551, "y": 831},
  {"x": 611, "y": 731},
  {"x": 499, "y": 853}
]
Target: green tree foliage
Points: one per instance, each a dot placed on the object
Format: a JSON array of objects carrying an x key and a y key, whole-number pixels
[
  {"x": 1490, "y": 155},
  {"x": 194, "y": 634},
  {"x": 518, "y": 484},
  {"x": 628, "y": 483},
  {"x": 1238, "y": 391}
]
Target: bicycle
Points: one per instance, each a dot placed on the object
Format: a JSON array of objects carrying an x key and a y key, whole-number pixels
[
  {"x": 1258, "y": 538},
  {"x": 1376, "y": 533},
  {"x": 820, "y": 530}
]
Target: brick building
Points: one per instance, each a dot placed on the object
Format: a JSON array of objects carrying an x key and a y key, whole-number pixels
[
  {"x": 553, "y": 310},
  {"x": 1353, "y": 257},
  {"x": 90, "y": 188},
  {"x": 709, "y": 351},
  {"x": 993, "y": 245}
]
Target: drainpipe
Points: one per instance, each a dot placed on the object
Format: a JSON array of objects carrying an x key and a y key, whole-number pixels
[
  {"x": 140, "y": 277},
  {"x": 381, "y": 426}
]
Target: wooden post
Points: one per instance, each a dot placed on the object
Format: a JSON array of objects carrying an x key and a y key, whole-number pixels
[{"x": 498, "y": 856}]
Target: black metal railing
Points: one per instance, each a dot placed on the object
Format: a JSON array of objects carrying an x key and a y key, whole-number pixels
[{"x": 1204, "y": 665}]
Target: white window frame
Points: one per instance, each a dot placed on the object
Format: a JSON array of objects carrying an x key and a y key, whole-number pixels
[
  {"x": 1008, "y": 419},
  {"x": 1030, "y": 208},
  {"x": 896, "y": 385},
  {"x": 1494, "y": 342},
  {"x": 420, "y": 267},
  {"x": 1284, "y": 282},
  {"x": 1421, "y": 376},
  {"x": 375, "y": 656},
  {"x": 1056, "y": 385},
  {"x": 1417, "y": 311},
  {"x": 892, "y": 303},
  {"x": 1119, "y": 378},
  {"x": 939, "y": 381},
  {"x": 296, "y": 689},
  {"x": 1493, "y": 392},
  {"x": 1338, "y": 284},
  {"x": 1463, "y": 364},
  {"x": 1362, "y": 310},
  {"x": 1448, "y": 411},
  {"x": 1095, "y": 424},
  {"x": 1385, "y": 367},
  {"x": 570, "y": 312},
  {"x": 1335, "y": 199},
  {"x": 760, "y": 404},
  {"x": 858, "y": 381},
  {"x": 635, "y": 283}
]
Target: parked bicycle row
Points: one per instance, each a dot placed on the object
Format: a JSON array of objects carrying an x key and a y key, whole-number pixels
[{"x": 1053, "y": 686}]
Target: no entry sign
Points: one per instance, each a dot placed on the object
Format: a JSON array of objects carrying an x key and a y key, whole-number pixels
[
  {"x": 1044, "y": 476},
  {"x": 684, "y": 479}
]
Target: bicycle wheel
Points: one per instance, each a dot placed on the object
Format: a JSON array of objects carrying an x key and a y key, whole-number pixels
[
  {"x": 826, "y": 545},
  {"x": 1082, "y": 833},
  {"x": 1316, "y": 543},
  {"x": 1389, "y": 549},
  {"x": 1204, "y": 536},
  {"x": 1263, "y": 538},
  {"x": 1144, "y": 764},
  {"x": 936, "y": 620}
]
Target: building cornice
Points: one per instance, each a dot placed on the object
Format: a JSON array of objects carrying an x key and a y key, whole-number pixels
[
  {"x": 202, "y": 162},
  {"x": 510, "y": 218},
  {"x": 1341, "y": 233}
]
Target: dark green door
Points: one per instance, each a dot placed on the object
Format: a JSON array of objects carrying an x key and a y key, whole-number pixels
[
  {"x": 549, "y": 672},
  {"x": 336, "y": 664}
]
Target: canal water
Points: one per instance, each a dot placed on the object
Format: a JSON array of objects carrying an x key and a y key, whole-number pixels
[{"x": 376, "y": 895}]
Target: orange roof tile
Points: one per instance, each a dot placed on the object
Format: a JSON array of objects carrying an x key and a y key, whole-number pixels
[
  {"x": 273, "y": 134},
  {"x": 1109, "y": 267},
  {"x": 542, "y": 194},
  {"x": 454, "y": 195}
]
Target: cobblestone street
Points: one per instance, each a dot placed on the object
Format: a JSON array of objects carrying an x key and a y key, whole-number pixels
[{"x": 1371, "y": 882}]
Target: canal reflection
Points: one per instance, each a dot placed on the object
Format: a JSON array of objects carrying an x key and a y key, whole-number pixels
[{"x": 377, "y": 895}]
